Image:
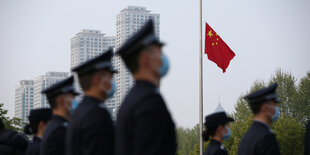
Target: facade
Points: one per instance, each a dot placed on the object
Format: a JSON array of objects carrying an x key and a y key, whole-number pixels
[
  {"x": 24, "y": 99},
  {"x": 41, "y": 83},
  {"x": 88, "y": 44}
]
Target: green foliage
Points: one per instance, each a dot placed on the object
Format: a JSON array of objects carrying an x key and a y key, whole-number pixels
[
  {"x": 14, "y": 123},
  {"x": 290, "y": 135},
  {"x": 187, "y": 138}
]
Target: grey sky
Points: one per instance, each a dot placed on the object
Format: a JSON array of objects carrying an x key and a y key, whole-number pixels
[{"x": 265, "y": 35}]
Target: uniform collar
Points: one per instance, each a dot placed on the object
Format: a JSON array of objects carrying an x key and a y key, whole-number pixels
[
  {"x": 36, "y": 139},
  {"x": 145, "y": 83},
  {"x": 260, "y": 123},
  {"x": 59, "y": 118},
  {"x": 217, "y": 143},
  {"x": 91, "y": 99},
  {"x": 263, "y": 125}
]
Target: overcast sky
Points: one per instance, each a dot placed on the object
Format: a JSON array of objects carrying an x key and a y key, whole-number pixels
[{"x": 265, "y": 35}]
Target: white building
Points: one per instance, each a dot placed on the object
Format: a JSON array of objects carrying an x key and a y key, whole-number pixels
[
  {"x": 88, "y": 44},
  {"x": 23, "y": 99},
  {"x": 128, "y": 22},
  {"x": 41, "y": 83}
]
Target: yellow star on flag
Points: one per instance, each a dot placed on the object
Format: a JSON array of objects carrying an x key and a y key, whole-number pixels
[{"x": 210, "y": 33}]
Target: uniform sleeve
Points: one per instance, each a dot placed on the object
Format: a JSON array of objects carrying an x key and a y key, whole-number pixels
[
  {"x": 150, "y": 125},
  {"x": 55, "y": 144},
  {"x": 268, "y": 145},
  {"x": 307, "y": 139},
  {"x": 97, "y": 133}
]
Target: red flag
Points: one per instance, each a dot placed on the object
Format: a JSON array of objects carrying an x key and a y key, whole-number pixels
[{"x": 217, "y": 50}]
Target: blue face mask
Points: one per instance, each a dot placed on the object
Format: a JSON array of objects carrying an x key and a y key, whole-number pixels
[
  {"x": 74, "y": 105},
  {"x": 163, "y": 70},
  {"x": 228, "y": 134},
  {"x": 111, "y": 92},
  {"x": 276, "y": 116}
]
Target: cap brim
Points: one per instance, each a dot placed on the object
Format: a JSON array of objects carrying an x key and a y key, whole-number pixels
[
  {"x": 75, "y": 93},
  {"x": 161, "y": 44},
  {"x": 277, "y": 100},
  {"x": 230, "y": 119},
  {"x": 113, "y": 71}
]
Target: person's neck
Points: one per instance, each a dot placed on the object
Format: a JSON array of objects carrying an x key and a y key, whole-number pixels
[
  {"x": 146, "y": 76},
  {"x": 95, "y": 94},
  {"x": 62, "y": 113},
  {"x": 218, "y": 138},
  {"x": 40, "y": 134},
  {"x": 263, "y": 119}
]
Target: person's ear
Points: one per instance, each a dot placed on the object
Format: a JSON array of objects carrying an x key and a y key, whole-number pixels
[
  {"x": 144, "y": 58},
  {"x": 41, "y": 125},
  {"x": 96, "y": 79}
]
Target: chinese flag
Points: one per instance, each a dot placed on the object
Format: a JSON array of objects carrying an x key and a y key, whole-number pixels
[{"x": 217, "y": 50}]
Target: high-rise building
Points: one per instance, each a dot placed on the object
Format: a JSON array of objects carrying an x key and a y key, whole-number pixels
[
  {"x": 41, "y": 83},
  {"x": 88, "y": 44},
  {"x": 128, "y": 21},
  {"x": 23, "y": 99}
]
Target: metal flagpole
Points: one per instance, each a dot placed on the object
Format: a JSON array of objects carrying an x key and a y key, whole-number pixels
[{"x": 200, "y": 82}]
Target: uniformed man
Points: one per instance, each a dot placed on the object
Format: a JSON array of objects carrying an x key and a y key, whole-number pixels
[
  {"x": 260, "y": 139},
  {"x": 38, "y": 119},
  {"x": 307, "y": 139},
  {"x": 60, "y": 97},
  {"x": 11, "y": 142},
  {"x": 144, "y": 125},
  {"x": 218, "y": 127},
  {"x": 91, "y": 130}
]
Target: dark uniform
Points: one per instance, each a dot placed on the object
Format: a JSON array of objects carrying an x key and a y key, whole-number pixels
[
  {"x": 34, "y": 147},
  {"x": 53, "y": 142},
  {"x": 144, "y": 125},
  {"x": 307, "y": 139},
  {"x": 259, "y": 139},
  {"x": 91, "y": 130},
  {"x": 215, "y": 148},
  {"x": 35, "y": 117},
  {"x": 12, "y": 143}
]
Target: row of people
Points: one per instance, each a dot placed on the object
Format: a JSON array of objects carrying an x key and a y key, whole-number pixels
[{"x": 144, "y": 125}]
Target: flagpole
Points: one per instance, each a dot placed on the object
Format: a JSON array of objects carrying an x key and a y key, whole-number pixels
[{"x": 200, "y": 82}]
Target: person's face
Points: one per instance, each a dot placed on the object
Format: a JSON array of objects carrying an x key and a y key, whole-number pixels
[
  {"x": 153, "y": 59},
  {"x": 269, "y": 108},
  {"x": 225, "y": 129},
  {"x": 105, "y": 83},
  {"x": 68, "y": 98}
]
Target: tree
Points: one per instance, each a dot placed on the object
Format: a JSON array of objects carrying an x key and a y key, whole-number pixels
[
  {"x": 14, "y": 123},
  {"x": 187, "y": 138},
  {"x": 290, "y": 135}
]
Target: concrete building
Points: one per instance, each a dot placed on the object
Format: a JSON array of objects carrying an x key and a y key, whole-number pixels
[
  {"x": 41, "y": 83},
  {"x": 88, "y": 44},
  {"x": 24, "y": 99}
]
